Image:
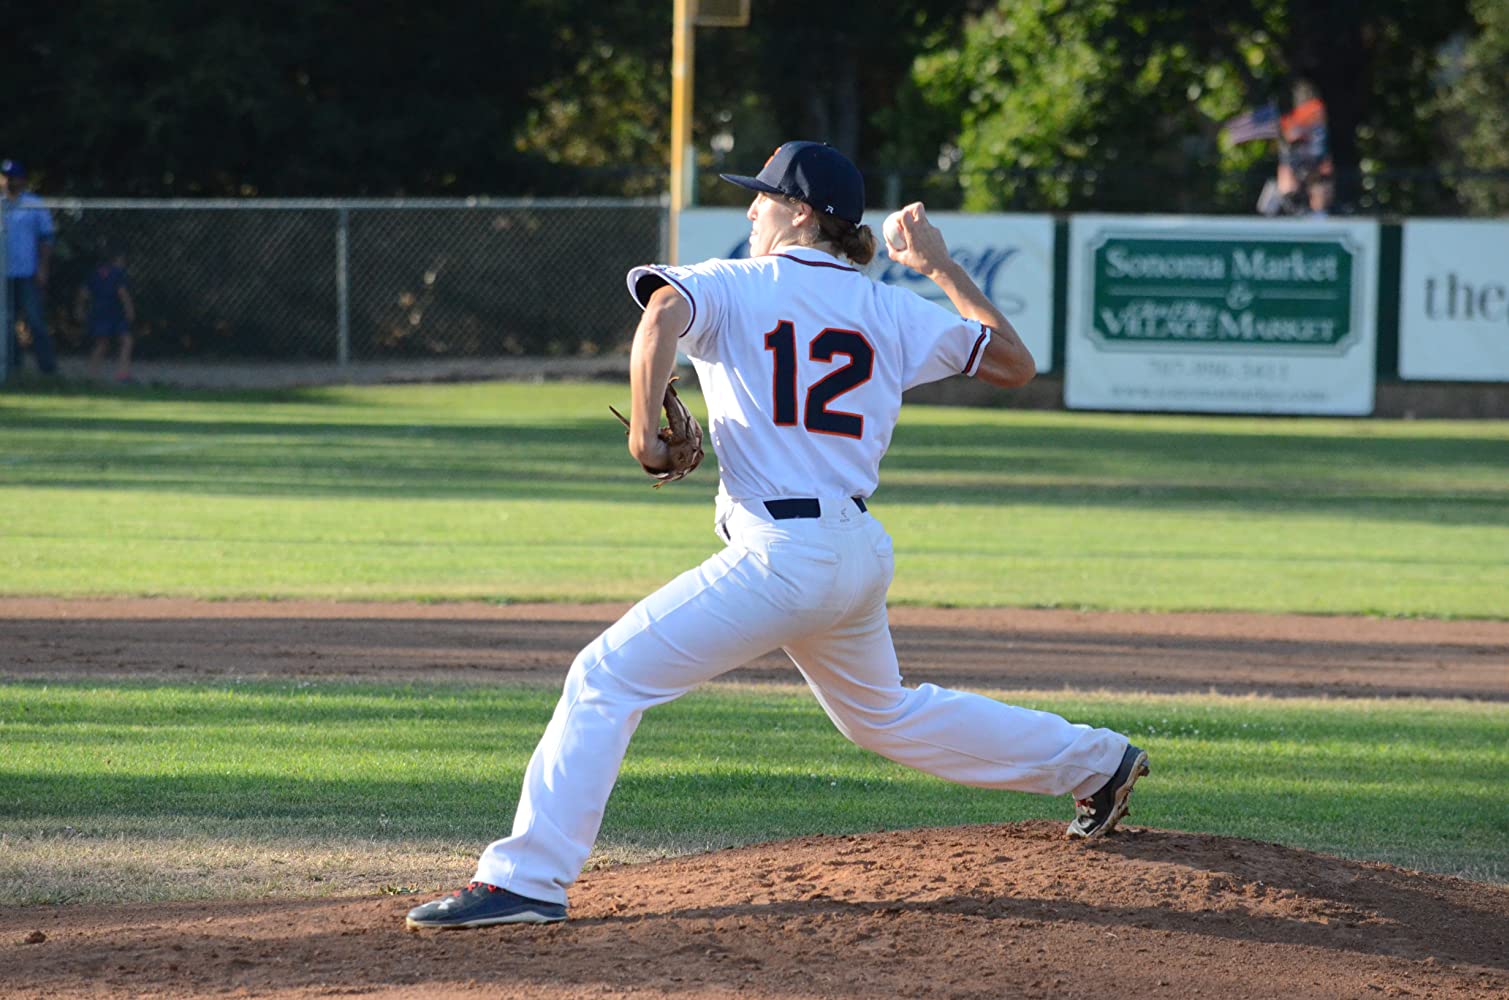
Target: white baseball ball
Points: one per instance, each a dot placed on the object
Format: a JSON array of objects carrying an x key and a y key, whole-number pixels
[{"x": 891, "y": 229}]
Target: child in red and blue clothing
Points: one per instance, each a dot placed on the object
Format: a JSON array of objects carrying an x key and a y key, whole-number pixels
[{"x": 106, "y": 298}]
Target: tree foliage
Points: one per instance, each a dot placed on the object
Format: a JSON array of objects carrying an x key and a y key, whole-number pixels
[
  {"x": 322, "y": 97},
  {"x": 282, "y": 97},
  {"x": 1117, "y": 103},
  {"x": 610, "y": 116},
  {"x": 1105, "y": 104},
  {"x": 1475, "y": 100},
  {"x": 1055, "y": 109},
  {"x": 798, "y": 70}
]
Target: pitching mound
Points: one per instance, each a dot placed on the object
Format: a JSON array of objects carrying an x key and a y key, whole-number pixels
[{"x": 963, "y": 912}]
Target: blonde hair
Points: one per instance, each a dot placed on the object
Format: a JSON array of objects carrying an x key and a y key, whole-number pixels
[{"x": 856, "y": 242}]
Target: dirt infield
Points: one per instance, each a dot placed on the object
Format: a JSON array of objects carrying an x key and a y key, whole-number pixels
[
  {"x": 1280, "y": 655},
  {"x": 965, "y": 912}
]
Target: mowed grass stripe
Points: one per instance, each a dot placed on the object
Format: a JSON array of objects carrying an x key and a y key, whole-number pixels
[
  {"x": 514, "y": 492},
  {"x": 436, "y": 770}
]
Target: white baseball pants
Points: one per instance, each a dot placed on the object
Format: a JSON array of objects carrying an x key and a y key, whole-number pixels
[{"x": 815, "y": 587}]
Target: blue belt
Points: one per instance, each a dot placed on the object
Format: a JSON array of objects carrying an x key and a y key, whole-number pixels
[{"x": 785, "y": 510}]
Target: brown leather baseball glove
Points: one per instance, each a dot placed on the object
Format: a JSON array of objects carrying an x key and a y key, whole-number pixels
[{"x": 682, "y": 436}]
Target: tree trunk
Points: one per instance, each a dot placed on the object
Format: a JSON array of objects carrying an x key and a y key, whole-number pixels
[
  {"x": 833, "y": 113},
  {"x": 1327, "y": 45}
]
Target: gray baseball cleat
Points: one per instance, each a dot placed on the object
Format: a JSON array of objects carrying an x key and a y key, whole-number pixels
[
  {"x": 480, "y": 905},
  {"x": 1099, "y": 814}
]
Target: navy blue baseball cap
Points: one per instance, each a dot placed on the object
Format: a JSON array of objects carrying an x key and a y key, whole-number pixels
[
  {"x": 813, "y": 172},
  {"x": 12, "y": 168}
]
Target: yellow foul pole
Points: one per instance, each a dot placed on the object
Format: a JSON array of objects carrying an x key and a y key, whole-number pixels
[{"x": 683, "y": 59}]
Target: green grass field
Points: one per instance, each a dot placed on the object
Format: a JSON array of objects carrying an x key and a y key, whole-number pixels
[
  {"x": 519, "y": 492},
  {"x": 522, "y": 492},
  {"x": 311, "y": 773}
]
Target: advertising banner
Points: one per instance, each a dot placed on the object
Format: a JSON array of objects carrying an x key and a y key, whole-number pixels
[
  {"x": 1009, "y": 256},
  {"x": 1454, "y": 301},
  {"x": 1221, "y": 315}
]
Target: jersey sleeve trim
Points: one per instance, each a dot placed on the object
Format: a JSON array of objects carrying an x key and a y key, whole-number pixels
[
  {"x": 977, "y": 353},
  {"x": 646, "y": 279}
]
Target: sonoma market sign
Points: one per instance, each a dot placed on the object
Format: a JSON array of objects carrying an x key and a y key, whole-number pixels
[
  {"x": 1280, "y": 292},
  {"x": 1221, "y": 315}
]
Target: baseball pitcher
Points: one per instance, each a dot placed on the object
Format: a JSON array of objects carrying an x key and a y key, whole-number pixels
[{"x": 802, "y": 360}]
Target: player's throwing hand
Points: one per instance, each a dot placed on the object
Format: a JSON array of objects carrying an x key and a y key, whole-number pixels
[{"x": 925, "y": 250}]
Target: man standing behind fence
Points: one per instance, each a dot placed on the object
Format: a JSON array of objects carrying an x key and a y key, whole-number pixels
[{"x": 28, "y": 253}]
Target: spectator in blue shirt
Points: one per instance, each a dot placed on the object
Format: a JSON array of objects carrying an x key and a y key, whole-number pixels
[
  {"x": 28, "y": 252},
  {"x": 108, "y": 312}
]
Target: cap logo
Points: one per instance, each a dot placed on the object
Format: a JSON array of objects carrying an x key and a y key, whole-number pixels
[{"x": 830, "y": 209}]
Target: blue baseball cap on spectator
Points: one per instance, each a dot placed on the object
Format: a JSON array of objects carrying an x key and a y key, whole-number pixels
[
  {"x": 12, "y": 168},
  {"x": 813, "y": 172}
]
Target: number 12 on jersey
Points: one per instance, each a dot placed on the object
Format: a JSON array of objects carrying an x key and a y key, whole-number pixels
[{"x": 816, "y": 416}]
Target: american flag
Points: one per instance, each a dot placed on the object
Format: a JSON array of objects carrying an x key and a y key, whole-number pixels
[{"x": 1251, "y": 126}]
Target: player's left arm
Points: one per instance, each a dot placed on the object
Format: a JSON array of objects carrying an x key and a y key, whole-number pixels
[
  {"x": 1007, "y": 363},
  {"x": 651, "y": 361}
]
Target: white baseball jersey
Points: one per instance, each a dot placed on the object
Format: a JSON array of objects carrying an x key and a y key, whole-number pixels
[{"x": 802, "y": 360}]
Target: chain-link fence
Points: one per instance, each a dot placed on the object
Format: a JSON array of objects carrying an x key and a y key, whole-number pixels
[{"x": 340, "y": 281}]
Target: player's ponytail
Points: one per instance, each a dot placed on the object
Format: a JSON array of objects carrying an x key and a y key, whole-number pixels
[
  {"x": 855, "y": 242},
  {"x": 859, "y": 245}
]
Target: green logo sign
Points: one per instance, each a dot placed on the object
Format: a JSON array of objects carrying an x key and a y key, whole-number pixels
[{"x": 1162, "y": 292}]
